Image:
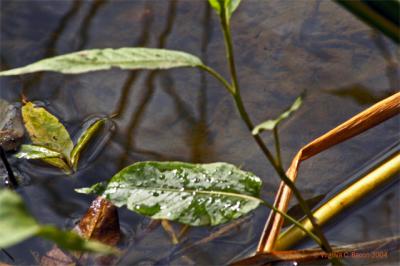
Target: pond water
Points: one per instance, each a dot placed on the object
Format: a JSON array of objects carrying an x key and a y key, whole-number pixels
[{"x": 283, "y": 48}]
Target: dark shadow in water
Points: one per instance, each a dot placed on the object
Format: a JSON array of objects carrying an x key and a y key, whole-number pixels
[
  {"x": 366, "y": 96},
  {"x": 141, "y": 42},
  {"x": 84, "y": 30},
  {"x": 392, "y": 67},
  {"x": 3, "y": 63},
  {"x": 197, "y": 135},
  {"x": 138, "y": 115},
  {"x": 360, "y": 94},
  {"x": 53, "y": 39}
]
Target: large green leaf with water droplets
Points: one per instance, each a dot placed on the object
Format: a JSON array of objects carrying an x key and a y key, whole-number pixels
[
  {"x": 103, "y": 59},
  {"x": 16, "y": 225},
  {"x": 193, "y": 194}
]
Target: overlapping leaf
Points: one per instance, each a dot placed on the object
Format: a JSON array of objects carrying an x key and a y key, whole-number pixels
[
  {"x": 103, "y": 59},
  {"x": 17, "y": 225},
  {"x": 51, "y": 141},
  {"x": 193, "y": 194}
]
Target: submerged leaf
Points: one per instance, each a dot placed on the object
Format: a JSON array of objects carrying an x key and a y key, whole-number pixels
[
  {"x": 271, "y": 124},
  {"x": 84, "y": 140},
  {"x": 16, "y": 225},
  {"x": 37, "y": 152},
  {"x": 103, "y": 59},
  {"x": 45, "y": 130},
  {"x": 193, "y": 194},
  {"x": 100, "y": 222}
]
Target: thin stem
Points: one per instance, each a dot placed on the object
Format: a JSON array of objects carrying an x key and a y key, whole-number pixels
[
  {"x": 12, "y": 181},
  {"x": 245, "y": 117},
  {"x": 277, "y": 147},
  {"x": 293, "y": 221},
  {"x": 216, "y": 75}
]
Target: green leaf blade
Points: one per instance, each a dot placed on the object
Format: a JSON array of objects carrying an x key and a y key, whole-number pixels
[
  {"x": 193, "y": 194},
  {"x": 272, "y": 124},
  {"x": 72, "y": 241},
  {"x": 16, "y": 224},
  {"x": 36, "y": 152},
  {"x": 103, "y": 59}
]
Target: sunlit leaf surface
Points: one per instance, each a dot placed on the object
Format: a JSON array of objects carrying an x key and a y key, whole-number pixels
[
  {"x": 36, "y": 152},
  {"x": 193, "y": 194},
  {"x": 102, "y": 59}
]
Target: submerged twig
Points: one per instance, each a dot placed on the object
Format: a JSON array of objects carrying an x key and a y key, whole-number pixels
[
  {"x": 11, "y": 180},
  {"x": 370, "y": 117}
]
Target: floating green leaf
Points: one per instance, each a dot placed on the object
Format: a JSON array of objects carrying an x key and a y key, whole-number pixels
[
  {"x": 16, "y": 225},
  {"x": 84, "y": 140},
  {"x": 193, "y": 194},
  {"x": 271, "y": 124},
  {"x": 103, "y": 59},
  {"x": 37, "y": 152},
  {"x": 45, "y": 130},
  {"x": 229, "y": 6}
]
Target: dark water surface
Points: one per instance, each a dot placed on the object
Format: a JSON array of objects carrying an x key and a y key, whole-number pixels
[{"x": 282, "y": 47}]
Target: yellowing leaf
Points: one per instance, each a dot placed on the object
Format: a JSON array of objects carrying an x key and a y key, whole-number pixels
[{"x": 45, "y": 130}]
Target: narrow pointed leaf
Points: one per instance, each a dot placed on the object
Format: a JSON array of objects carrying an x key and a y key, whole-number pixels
[
  {"x": 37, "y": 152},
  {"x": 17, "y": 225},
  {"x": 84, "y": 140},
  {"x": 103, "y": 59},
  {"x": 193, "y": 194},
  {"x": 271, "y": 124}
]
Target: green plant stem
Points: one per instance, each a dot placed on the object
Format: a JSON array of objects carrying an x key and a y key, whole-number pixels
[
  {"x": 293, "y": 221},
  {"x": 245, "y": 117},
  {"x": 277, "y": 147}
]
